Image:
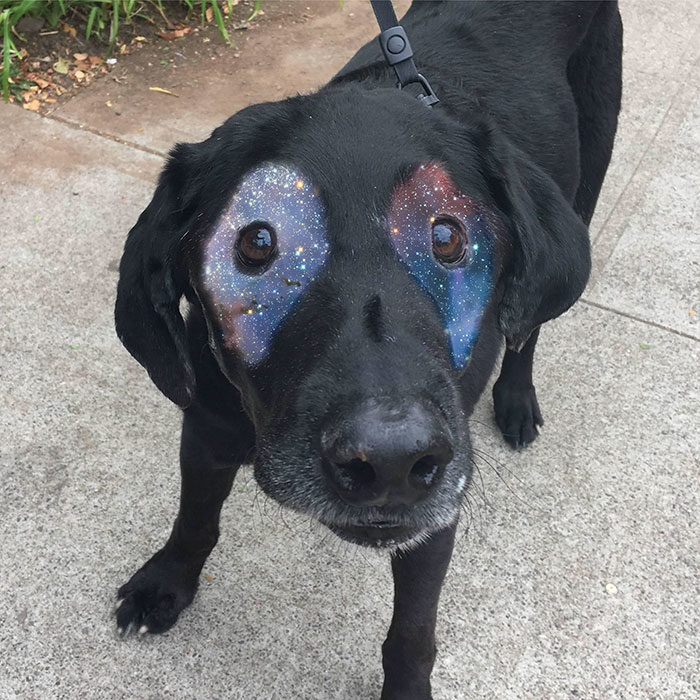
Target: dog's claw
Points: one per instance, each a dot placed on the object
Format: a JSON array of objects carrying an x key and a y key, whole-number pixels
[{"x": 143, "y": 629}]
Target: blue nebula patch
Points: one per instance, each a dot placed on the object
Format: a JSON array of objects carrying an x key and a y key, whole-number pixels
[
  {"x": 462, "y": 293},
  {"x": 249, "y": 307}
]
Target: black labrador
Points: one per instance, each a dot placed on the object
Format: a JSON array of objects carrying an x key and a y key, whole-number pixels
[{"x": 352, "y": 260}]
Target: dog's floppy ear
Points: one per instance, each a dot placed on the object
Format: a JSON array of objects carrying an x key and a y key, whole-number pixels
[
  {"x": 151, "y": 282},
  {"x": 550, "y": 257}
]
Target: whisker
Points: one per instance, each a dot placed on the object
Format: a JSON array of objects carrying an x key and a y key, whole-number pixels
[
  {"x": 475, "y": 507},
  {"x": 483, "y": 454},
  {"x": 482, "y": 492},
  {"x": 491, "y": 426},
  {"x": 485, "y": 457},
  {"x": 281, "y": 511}
]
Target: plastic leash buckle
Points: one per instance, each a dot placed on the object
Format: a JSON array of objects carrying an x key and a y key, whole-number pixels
[
  {"x": 395, "y": 45},
  {"x": 397, "y": 49}
]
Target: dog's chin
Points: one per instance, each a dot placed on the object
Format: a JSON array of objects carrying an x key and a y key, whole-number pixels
[{"x": 379, "y": 534}]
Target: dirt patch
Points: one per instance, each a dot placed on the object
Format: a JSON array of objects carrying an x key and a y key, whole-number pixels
[
  {"x": 57, "y": 63},
  {"x": 291, "y": 50}
]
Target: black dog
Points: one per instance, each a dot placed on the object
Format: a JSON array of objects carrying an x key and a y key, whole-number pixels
[{"x": 352, "y": 260}]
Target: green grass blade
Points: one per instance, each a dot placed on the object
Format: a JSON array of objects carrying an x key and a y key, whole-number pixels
[
  {"x": 5, "y": 22},
  {"x": 56, "y": 12},
  {"x": 6, "y": 43},
  {"x": 129, "y": 9},
  {"x": 255, "y": 11},
  {"x": 220, "y": 21},
  {"x": 91, "y": 21},
  {"x": 115, "y": 24}
]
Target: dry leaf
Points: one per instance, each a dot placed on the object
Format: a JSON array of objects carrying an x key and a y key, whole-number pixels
[
  {"x": 32, "y": 106},
  {"x": 209, "y": 14},
  {"x": 164, "y": 91},
  {"x": 79, "y": 75},
  {"x": 176, "y": 33},
  {"x": 41, "y": 82},
  {"x": 52, "y": 100},
  {"x": 139, "y": 38},
  {"x": 80, "y": 56},
  {"x": 94, "y": 60},
  {"x": 70, "y": 30},
  {"x": 61, "y": 66},
  {"x": 123, "y": 49}
]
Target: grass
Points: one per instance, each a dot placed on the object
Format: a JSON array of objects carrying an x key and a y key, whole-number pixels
[{"x": 102, "y": 19}]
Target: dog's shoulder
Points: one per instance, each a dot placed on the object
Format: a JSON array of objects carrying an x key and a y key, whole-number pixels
[{"x": 471, "y": 34}]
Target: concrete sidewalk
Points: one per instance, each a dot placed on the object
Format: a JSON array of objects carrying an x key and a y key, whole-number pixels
[{"x": 579, "y": 577}]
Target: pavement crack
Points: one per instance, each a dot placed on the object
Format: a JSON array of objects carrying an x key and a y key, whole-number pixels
[
  {"x": 645, "y": 321},
  {"x": 102, "y": 134}
]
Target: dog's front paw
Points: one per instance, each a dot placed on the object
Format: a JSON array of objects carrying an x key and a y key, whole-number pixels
[
  {"x": 517, "y": 413},
  {"x": 155, "y": 595}
]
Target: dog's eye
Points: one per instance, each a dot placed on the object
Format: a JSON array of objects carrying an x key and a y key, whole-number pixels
[
  {"x": 256, "y": 245},
  {"x": 449, "y": 240}
]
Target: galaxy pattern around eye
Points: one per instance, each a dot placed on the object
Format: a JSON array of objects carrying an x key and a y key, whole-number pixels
[
  {"x": 462, "y": 293},
  {"x": 250, "y": 306}
]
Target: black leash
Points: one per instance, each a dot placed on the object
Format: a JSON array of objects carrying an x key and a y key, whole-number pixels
[{"x": 397, "y": 51}]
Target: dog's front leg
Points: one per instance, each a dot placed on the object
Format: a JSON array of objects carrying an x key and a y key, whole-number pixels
[
  {"x": 156, "y": 594},
  {"x": 409, "y": 649}
]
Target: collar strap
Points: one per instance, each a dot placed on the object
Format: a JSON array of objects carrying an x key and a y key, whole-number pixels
[{"x": 397, "y": 51}]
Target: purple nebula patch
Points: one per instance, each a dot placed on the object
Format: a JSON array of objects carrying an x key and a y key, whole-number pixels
[
  {"x": 248, "y": 307},
  {"x": 461, "y": 293}
]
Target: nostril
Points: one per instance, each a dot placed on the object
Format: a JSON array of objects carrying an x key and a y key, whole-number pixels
[
  {"x": 354, "y": 475},
  {"x": 425, "y": 472}
]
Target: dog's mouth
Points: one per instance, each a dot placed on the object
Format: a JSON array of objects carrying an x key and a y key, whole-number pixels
[{"x": 376, "y": 533}]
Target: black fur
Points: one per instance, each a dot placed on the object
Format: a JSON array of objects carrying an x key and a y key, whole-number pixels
[{"x": 530, "y": 94}]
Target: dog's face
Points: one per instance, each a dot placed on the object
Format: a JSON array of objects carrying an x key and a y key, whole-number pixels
[
  {"x": 353, "y": 255},
  {"x": 347, "y": 337}
]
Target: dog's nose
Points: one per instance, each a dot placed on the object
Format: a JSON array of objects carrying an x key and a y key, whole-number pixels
[{"x": 384, "y": 455}]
